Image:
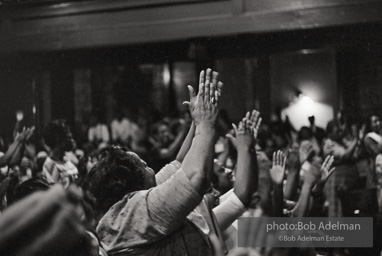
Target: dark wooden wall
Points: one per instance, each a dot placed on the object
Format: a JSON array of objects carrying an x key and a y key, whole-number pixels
[{"x": 104, "y": 23}]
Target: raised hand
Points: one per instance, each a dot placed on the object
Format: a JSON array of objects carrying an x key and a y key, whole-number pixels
[
  {"x": 306, "y": 151},
  {"x": 313, "y": 174},
  {"x": 246, "y": 133},
  {"x": 278, "y": 167},
  {"x": 326, "y": 170},
  {"x": 204, "y": 106},
  {"x": 25, "y": 134}
]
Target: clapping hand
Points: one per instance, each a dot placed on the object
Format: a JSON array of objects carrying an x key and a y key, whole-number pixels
[{"x": 25, "y": 134}]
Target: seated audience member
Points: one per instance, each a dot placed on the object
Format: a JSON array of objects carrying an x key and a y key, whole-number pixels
[
  {"x": 57, "y": 167},
  {"x": 98, "y": 133}
]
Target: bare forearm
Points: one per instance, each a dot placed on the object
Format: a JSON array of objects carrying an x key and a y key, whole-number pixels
[
  {"x": 349, "y": 151},
  {"x": 291, "y": 185},
  {"x": 17, "y": 155},
  {"x": 171, "y": 150},
  {"x": 246, "y": 175},
  {"x": 13, "y": 149},
  {"x": 303, "y": 202},
  {"x": 186, "y": 144},
  {"x": 198, "y": 163}
]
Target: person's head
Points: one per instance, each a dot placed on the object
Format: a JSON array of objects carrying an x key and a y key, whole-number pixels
[
  {"x": 375, "y": 123},
  {"x": 162, "y": 133},
  {"x": 57, "y": 135},
  {"x": 117, "y": 173},
  {"x": 27, "y": 188},
  {"x": 222, "y": 178},
  {"x": 280, "y": 139},
  {"x": 333, "y": 131},
  {"x": 304, "y": 134}
]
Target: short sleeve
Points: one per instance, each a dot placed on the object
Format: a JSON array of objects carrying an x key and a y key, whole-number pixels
[
  {"x": 229, "y": 210},
  {"x": 167, "y": 171},
  {"x": 148, "y": 216}
]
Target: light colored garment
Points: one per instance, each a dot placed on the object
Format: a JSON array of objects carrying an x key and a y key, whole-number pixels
[
  {"x": 153, "y": 222},
  {"x": 161, "y": 224},
  {"x": 99, "y": 134},
  {"x": 122, "y": 130},
  {"x": 64, "y": 172}
]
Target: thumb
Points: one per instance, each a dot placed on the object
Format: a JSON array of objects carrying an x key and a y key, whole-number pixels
[{"x": 191, "y": 91}]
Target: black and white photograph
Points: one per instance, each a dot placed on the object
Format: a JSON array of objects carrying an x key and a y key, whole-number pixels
[{"x": 190, "y": 127}]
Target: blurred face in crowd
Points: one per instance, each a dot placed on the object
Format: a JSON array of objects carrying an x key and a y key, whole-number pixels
[
  {"x": 68, "y": 143},
  {"x": 149, "y": 174},
  {"x": 224, "y": 177},
  {"x": 375, "y": 124},
  {"x": 335, "y": 134},
  {"x": 164, "y": 134}
]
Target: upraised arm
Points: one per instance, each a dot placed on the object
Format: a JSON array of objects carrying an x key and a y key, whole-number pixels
[
  {"x": 293, "y": 165},
  {"x": 198, "y": 162},
  {"x": 247, "y": 173},
  {"x": 277, "y": 174}
]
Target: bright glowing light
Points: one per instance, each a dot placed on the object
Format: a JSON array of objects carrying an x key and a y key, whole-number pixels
[
  {"x": 166, "y": 75},
  {"x": 34, "y": 109},
  {"x": 299, "y": 111},
  {"x": 356, "y": 212}
]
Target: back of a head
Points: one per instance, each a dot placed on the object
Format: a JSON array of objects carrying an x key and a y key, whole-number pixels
[
  {"x": 116, "y": 174},
  {"x": 27, "y": 188},
  {"x": 54, "y": 131},
  {"x": 330, "y": 127}
]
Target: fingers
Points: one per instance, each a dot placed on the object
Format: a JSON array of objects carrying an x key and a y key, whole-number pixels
[
  {"x": 235, "y": 128},
  {"x": 215, "y": 76},
  {"x": 201, "y": 78},
  {"x": 219, "y": 90},
  {"x": 330, "y": 173},
  {"x": 201, "y": 92},
  {"x": 274, "y": 158},
  {"x": 207, "y": 97},
  {"x": 208, "y": 76},
  {"x": 218, "y": 247}
]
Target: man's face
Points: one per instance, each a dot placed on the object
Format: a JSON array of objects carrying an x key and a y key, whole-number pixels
[
  {"x": 149, "y": 174},
  {"x": 164, "y": 134},
  {"x": 375, "y": 124},
  {"x": 68, "y": 142}
]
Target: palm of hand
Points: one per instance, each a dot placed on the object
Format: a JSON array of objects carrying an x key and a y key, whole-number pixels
[{"x": 277, "y": 174}]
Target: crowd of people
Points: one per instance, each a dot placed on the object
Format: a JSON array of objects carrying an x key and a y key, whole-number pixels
[{"x": 178, "y": 186}]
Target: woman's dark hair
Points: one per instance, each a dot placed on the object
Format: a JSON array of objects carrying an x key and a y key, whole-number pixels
[
  {"x": 115, "y": 175},
  {"x": 54, "y": 132}
]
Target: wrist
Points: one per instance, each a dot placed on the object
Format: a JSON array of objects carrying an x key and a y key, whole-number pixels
[
  {"x": 309, "y": 183},
  {"x": 205, "y": 125},
  {"x": 244, "y": 148}
]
